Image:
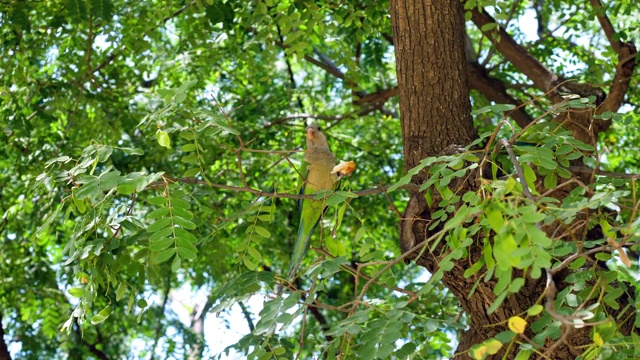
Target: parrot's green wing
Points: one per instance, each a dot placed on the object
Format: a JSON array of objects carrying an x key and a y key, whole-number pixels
[{"x": 311, "y": 212}]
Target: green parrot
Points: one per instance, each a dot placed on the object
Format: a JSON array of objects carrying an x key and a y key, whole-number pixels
[{"x": 319, "y": 163}]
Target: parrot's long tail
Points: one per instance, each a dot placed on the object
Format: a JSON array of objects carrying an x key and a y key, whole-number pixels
[{"x": 300, "y": 248}]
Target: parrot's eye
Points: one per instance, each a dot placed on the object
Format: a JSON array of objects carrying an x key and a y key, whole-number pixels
[{"x": 319, "y": 128}]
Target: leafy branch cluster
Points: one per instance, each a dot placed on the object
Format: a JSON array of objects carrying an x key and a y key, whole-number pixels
[{"x": 513, "y": 231}]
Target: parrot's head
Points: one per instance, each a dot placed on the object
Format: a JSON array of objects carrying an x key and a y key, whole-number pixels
[{"x": 315, "y": 137}]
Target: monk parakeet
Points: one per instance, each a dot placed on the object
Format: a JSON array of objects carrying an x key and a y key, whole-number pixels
[{"x": 320, "y": 176}]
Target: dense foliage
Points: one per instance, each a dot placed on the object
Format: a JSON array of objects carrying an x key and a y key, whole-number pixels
[{"x": 152, "y": 148}]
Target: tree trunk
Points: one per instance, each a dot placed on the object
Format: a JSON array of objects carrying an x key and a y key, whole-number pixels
[
  {"x": 431, "y": 66},
  {"x": 434, "y": 103}
]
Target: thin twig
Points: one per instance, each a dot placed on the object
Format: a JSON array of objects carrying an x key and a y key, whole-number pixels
[
  {"x": 516, "y": 165},
  {"x": 247, "y": 315},
  {"x": 358, "y": 274}
]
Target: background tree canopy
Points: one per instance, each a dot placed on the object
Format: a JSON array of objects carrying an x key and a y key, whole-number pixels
[{"x": 151, "y": 149}]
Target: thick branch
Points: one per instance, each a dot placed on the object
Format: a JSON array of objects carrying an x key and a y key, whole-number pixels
[
  {"x": 495, "y": 90},
  {"x": 542, "y": 77},
  {"x": 380, "y": 96},
  {"x": 492, "y": 89},
  {"x": 606, "y": 25},
  {"x": 627, "y": 53}
]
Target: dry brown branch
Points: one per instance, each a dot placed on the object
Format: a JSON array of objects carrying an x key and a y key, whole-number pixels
[{"x": 627, "y": 53}]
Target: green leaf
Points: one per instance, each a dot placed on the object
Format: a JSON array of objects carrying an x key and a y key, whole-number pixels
[
  {"x": 157, "y": 213},
  {"x": 163, "y": 233},
  {"x": 109, "y": 180},
  {"x": 101, "y": 316},
  {"x": 163, "y": 139},
  {"x": 165, "y": 255},
  {"x": 159, "y": 224},
  {"x": 132, "y": 151},
  {"x": 80, "y": 204},
  {"x": 120, "y": 290},
  {"x": 359, "y": 234},
  {"x": 505, "y": 337},
  {"x": 161, "y": 244},
  {"x": 262, "y": 231},
  {"x": 537, "y": 236},
  {"x": 125, "y": 189},
  {"x": 607, "y": 229},
  {"x": 503, "y": 249},
  {"x": 494, "y": 216},
  {"x": 254, "y": 253},
  {"x": 184, "y": 223},
  {"x": 497, "y": 107},
  {"x": 488, "y": 27},
  {"x": 335, "y": 247},
  {"x": 142, "y": 303},
  {"x": 176, "y": 264},
  {"x": 551, "y": 181},
  {"x": 497, "y": 302},
  {"x": 191, "y": 172},
  {"x": 60, "y": 159},
  {"x": 249, "y": 264},
  {"x": 158, "y": 200},
  {"x": 474, "y": 268},
  {"x": 186, "y": 253},
  {"x": 190, "y": 159},
  {"x": 335, "y": 199},
  {"x": 88, "y": 190},
  {"x": 181, "y": 233},
  {"x": 185, "y": 214},
  {"x": 523, "y": 355},
  {"x": 76, "y": 292},
  {"x": 180, "y": 203},
  {"x": 535, "y": 310},
  {"x": 104, "y": 152},
  {"x": 188, "y": 147},
  {"x": 184, "y": 243},
  {"x": 516, "y": 285}
]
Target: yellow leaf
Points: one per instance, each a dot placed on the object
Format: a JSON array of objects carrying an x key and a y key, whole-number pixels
[
  {"x": 597, "y": 339},
  {"x": 517, "y": 324},
  {"x": 493, "y": 346},
  {"x": 478, "y": 352}
]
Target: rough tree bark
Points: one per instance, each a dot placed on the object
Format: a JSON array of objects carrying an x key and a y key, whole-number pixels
[
  {"x": 434, "y": 102},
  {"x": 431, "y": 66},
  {"x": 435, "y": 111}
]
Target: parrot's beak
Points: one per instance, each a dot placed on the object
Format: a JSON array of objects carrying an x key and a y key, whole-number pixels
[{"x": 311, "y": 133}]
